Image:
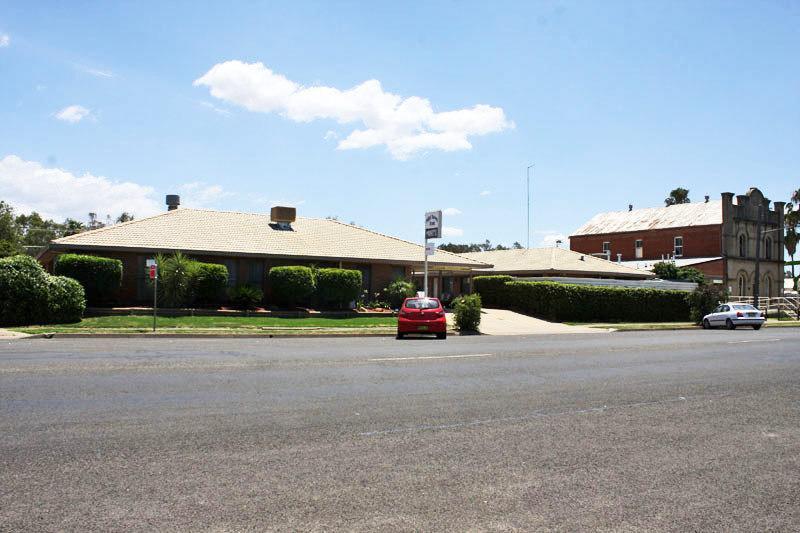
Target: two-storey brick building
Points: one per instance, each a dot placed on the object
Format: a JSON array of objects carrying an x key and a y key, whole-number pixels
[{"x": 718, "y": 237}]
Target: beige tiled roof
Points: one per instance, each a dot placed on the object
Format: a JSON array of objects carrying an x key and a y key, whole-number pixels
[
  {"x": 232, "y": 233},
  {"x": 674, "y": 216},
  {"x": 553, "y": 261}
]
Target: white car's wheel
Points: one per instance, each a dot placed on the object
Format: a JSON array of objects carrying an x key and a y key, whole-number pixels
[
  {"x": 730, "y": 325},
  {"x": 706, "y": 324}
]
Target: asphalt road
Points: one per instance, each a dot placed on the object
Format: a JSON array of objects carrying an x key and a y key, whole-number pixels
[{"x": 681, "y": 431}]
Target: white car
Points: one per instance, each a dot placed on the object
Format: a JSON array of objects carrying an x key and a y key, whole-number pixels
[{"x": 732, "y": 315}]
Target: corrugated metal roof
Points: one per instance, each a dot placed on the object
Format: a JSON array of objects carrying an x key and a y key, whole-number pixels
[
  {"x": 233, "y": 233},
  {"x": 674, "y": 216},
  {"x": 553, "y": 261},
  {"x": 647, "y": 264}
]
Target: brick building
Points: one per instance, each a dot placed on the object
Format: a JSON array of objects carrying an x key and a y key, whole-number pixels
[
  {"x": 249, "y": 244},
  {"x": 718, "y": 237}
]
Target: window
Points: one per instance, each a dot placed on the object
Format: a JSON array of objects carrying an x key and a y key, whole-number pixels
[
  {"x": 423, "y": 303},
  {"x": 639, "y": 248},
  {"x": 678, "y": 248},
  {"x": 767, "y": 285},
  {"x": 768, "y": 248},
  {"x": 607, "y": 249},
  {"x": 398, "y": 272},
  {"x": 255, "y": 273},
  {"x": 232, "y": 266},
  {"x": 742, "y": 284},
  {"x": 742, "y": 246}
]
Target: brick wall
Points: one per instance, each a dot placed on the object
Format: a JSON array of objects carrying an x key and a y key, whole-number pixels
[{"x": 698, "y": 241}]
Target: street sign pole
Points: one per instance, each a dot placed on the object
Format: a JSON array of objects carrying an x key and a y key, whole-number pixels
[
  {"x": 425, "y": 289},
  {"x": 155, "y": 298}
]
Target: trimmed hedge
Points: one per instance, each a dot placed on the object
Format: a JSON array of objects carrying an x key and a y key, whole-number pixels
[
  {"x": 29, "y": 295},
  {"x": 491, "y": 289},
  {"x": 337, "y": 287},
  {"x": 563, "y": 302},
  {"x": 397, "y": 291},
  {"x": 291, "y": 285},
  {"x": 208, "y": 282},
  {"x": 101, "y": 277},
  {"x": 65, "y": 299}
]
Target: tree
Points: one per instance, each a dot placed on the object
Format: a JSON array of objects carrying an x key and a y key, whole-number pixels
[
  {"x": 516, "y": 246},
  {"x": 124, "y": 217},
  {"x": 10, "y": 235},
  {"x": 678, "y": 196},
  {"x": 460, "y": 248},
  {"x": 790, "y": 241}
]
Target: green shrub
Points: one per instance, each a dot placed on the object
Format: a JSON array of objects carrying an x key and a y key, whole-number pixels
[
  {"x": 397, "y": 291},
  {"x": 101, "y": 277},
  {"x": 666, "y": 270},
  {"x": 490, "y": 288},
  {"x": 23, "y": 291},
  {"x": 174, "y": 279},
  {"x": 691, "y": 274},
  {"x": 704, "y": 300},
  {"x": 246, "y": 296},
  {"x": 29, "y": 295},
  {"x": 337, "y": 287},
  {"x": 208, "y": 282},
  {"x": 563, "y": 302},
  {"x": 66, "y": 299},
  {"x": 467, "y": 312},
  {"x": 291, "y": 285}
]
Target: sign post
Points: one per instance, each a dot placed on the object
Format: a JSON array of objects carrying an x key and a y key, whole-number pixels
[
  {"x": 433, "y": 230},
  {"x": 152, "y": 267}
]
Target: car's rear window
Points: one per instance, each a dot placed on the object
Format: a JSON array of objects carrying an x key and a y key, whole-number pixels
[
  {"x": 422, "y": 303},
  {"x": 744, "y": 307}
]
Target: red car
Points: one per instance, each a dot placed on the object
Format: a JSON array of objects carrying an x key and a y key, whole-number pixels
[{"x": 422, "y": 315}]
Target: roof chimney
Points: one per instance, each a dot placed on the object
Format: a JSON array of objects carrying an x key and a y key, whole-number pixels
[
  {"x": 630, "y": 207},
  {"x": 173, "y": 201},
  {"x": 706, "y": 198}
]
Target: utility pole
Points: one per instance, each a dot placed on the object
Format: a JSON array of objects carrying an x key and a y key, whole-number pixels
[{"x": 528, "y": 174}]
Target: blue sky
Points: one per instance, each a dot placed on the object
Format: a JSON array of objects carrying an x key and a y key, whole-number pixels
[{"x": 614, "y": 103}]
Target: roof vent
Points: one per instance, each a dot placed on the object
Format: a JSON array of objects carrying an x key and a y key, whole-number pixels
[
  {"x": 630, "y": 207},
  {"x": 282, "y": 217},
  {"x": 707, "y": 198},
  {"x": 173, "y": 201}
]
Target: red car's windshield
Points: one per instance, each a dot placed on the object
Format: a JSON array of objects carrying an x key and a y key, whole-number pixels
[{"x": 422, "y": 303}]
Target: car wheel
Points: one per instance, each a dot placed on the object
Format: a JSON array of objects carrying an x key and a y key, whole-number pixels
[
  {"x": 441, "y": 335},
  {"x": 706, "y": 324},
  {"x": 757, "y": 327},
  {"x": 400, "y": 336},
  {"x": 729, "y": 323}
]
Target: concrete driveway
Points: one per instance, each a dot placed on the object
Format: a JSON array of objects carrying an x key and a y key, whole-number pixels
[{"x": 504, "y": 322}]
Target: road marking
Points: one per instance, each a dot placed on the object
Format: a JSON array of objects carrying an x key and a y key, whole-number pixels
[
  {"x": 420, "y": 358},
  {"x": 754, "y": 340}
]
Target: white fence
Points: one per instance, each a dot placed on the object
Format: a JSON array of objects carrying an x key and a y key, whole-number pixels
[{"x": 776, "y": 305}]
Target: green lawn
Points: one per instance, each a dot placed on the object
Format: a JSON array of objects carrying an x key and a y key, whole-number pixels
[{"x": 242, "y": 324}]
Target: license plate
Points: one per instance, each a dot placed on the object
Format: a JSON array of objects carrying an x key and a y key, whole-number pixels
[
  {"x": 751, "y": 314},
  {"x": 422, "y": 328}
]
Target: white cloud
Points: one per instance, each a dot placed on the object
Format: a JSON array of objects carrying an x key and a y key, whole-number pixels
[
  {"x": 5, "y": 40},
  {"x": 451, "y": 211},
  {"x": 73, "y": 114},
  {"x": 549, "y": 240},
  {"x": 448, "y": 231},
  {"x": 215, "y": 109},
  {"x": 331, "y": 135},
  {"x": 202, "y": 195},
  {"x": 405, "y": 126},
  {"x": 97, "y": 73},
  {"x": 57, "y": 194},
  {"x": 486, "y": 193}
]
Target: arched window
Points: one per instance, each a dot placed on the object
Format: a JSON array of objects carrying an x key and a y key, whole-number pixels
[
  {"x": 742, "y": 284},
  {"x": 767, "y": 285},
  {"x": 768, "y": 248},
  {"x": 742, "y": 245}
]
